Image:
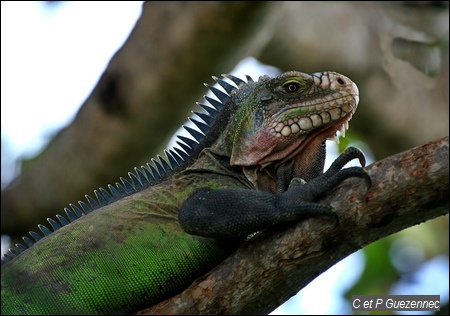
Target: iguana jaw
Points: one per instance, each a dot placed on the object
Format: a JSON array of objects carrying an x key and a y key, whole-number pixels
[{"x": 326, "y": 132}]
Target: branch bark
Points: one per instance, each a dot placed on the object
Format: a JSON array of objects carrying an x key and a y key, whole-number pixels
[{"x": 407, "y": 189}]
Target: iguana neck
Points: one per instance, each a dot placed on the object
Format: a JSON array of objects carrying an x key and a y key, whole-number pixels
[
  {"x": 268, "y": 178},
  {"x": 214, "y": 161}
]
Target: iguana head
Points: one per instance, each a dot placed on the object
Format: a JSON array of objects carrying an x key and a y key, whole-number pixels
[{"x": 279, "y": 119}]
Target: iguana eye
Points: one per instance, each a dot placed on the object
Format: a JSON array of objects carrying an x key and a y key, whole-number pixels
[{"x": 291, "y": 86}]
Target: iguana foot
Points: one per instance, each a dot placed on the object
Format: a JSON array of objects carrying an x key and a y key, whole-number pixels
[
  {"x": 312, "y": 190},
  {"x": 299, "y": 200}
]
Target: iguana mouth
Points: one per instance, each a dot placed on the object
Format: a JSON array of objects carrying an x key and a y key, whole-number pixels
[
  {"x": 314, "y": 121},
  {"x": 316, "y": 127}
]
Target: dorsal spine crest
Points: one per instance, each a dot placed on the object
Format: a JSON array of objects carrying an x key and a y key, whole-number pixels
[{"x": 145, "y": 176}]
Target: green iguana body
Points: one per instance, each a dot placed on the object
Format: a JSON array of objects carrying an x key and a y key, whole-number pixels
[{"x": 143, "y": 243}]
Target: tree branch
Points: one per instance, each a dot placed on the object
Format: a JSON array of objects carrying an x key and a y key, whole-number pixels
[{"x": 407, "y": 189}]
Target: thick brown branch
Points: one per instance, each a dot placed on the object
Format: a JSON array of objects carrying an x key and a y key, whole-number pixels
[{"x": 408, "y": 188}]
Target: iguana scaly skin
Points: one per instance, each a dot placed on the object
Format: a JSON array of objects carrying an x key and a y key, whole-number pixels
[{"x": 149, "y": 239}]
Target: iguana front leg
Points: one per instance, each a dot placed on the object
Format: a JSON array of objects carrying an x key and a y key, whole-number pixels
[{"x": 230, "y": 213}]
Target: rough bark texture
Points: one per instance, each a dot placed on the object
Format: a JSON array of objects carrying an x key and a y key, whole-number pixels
[{"x": 407, "y": 189}]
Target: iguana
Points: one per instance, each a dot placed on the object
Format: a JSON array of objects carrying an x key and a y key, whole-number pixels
[{"x": 257, "y": 163}]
